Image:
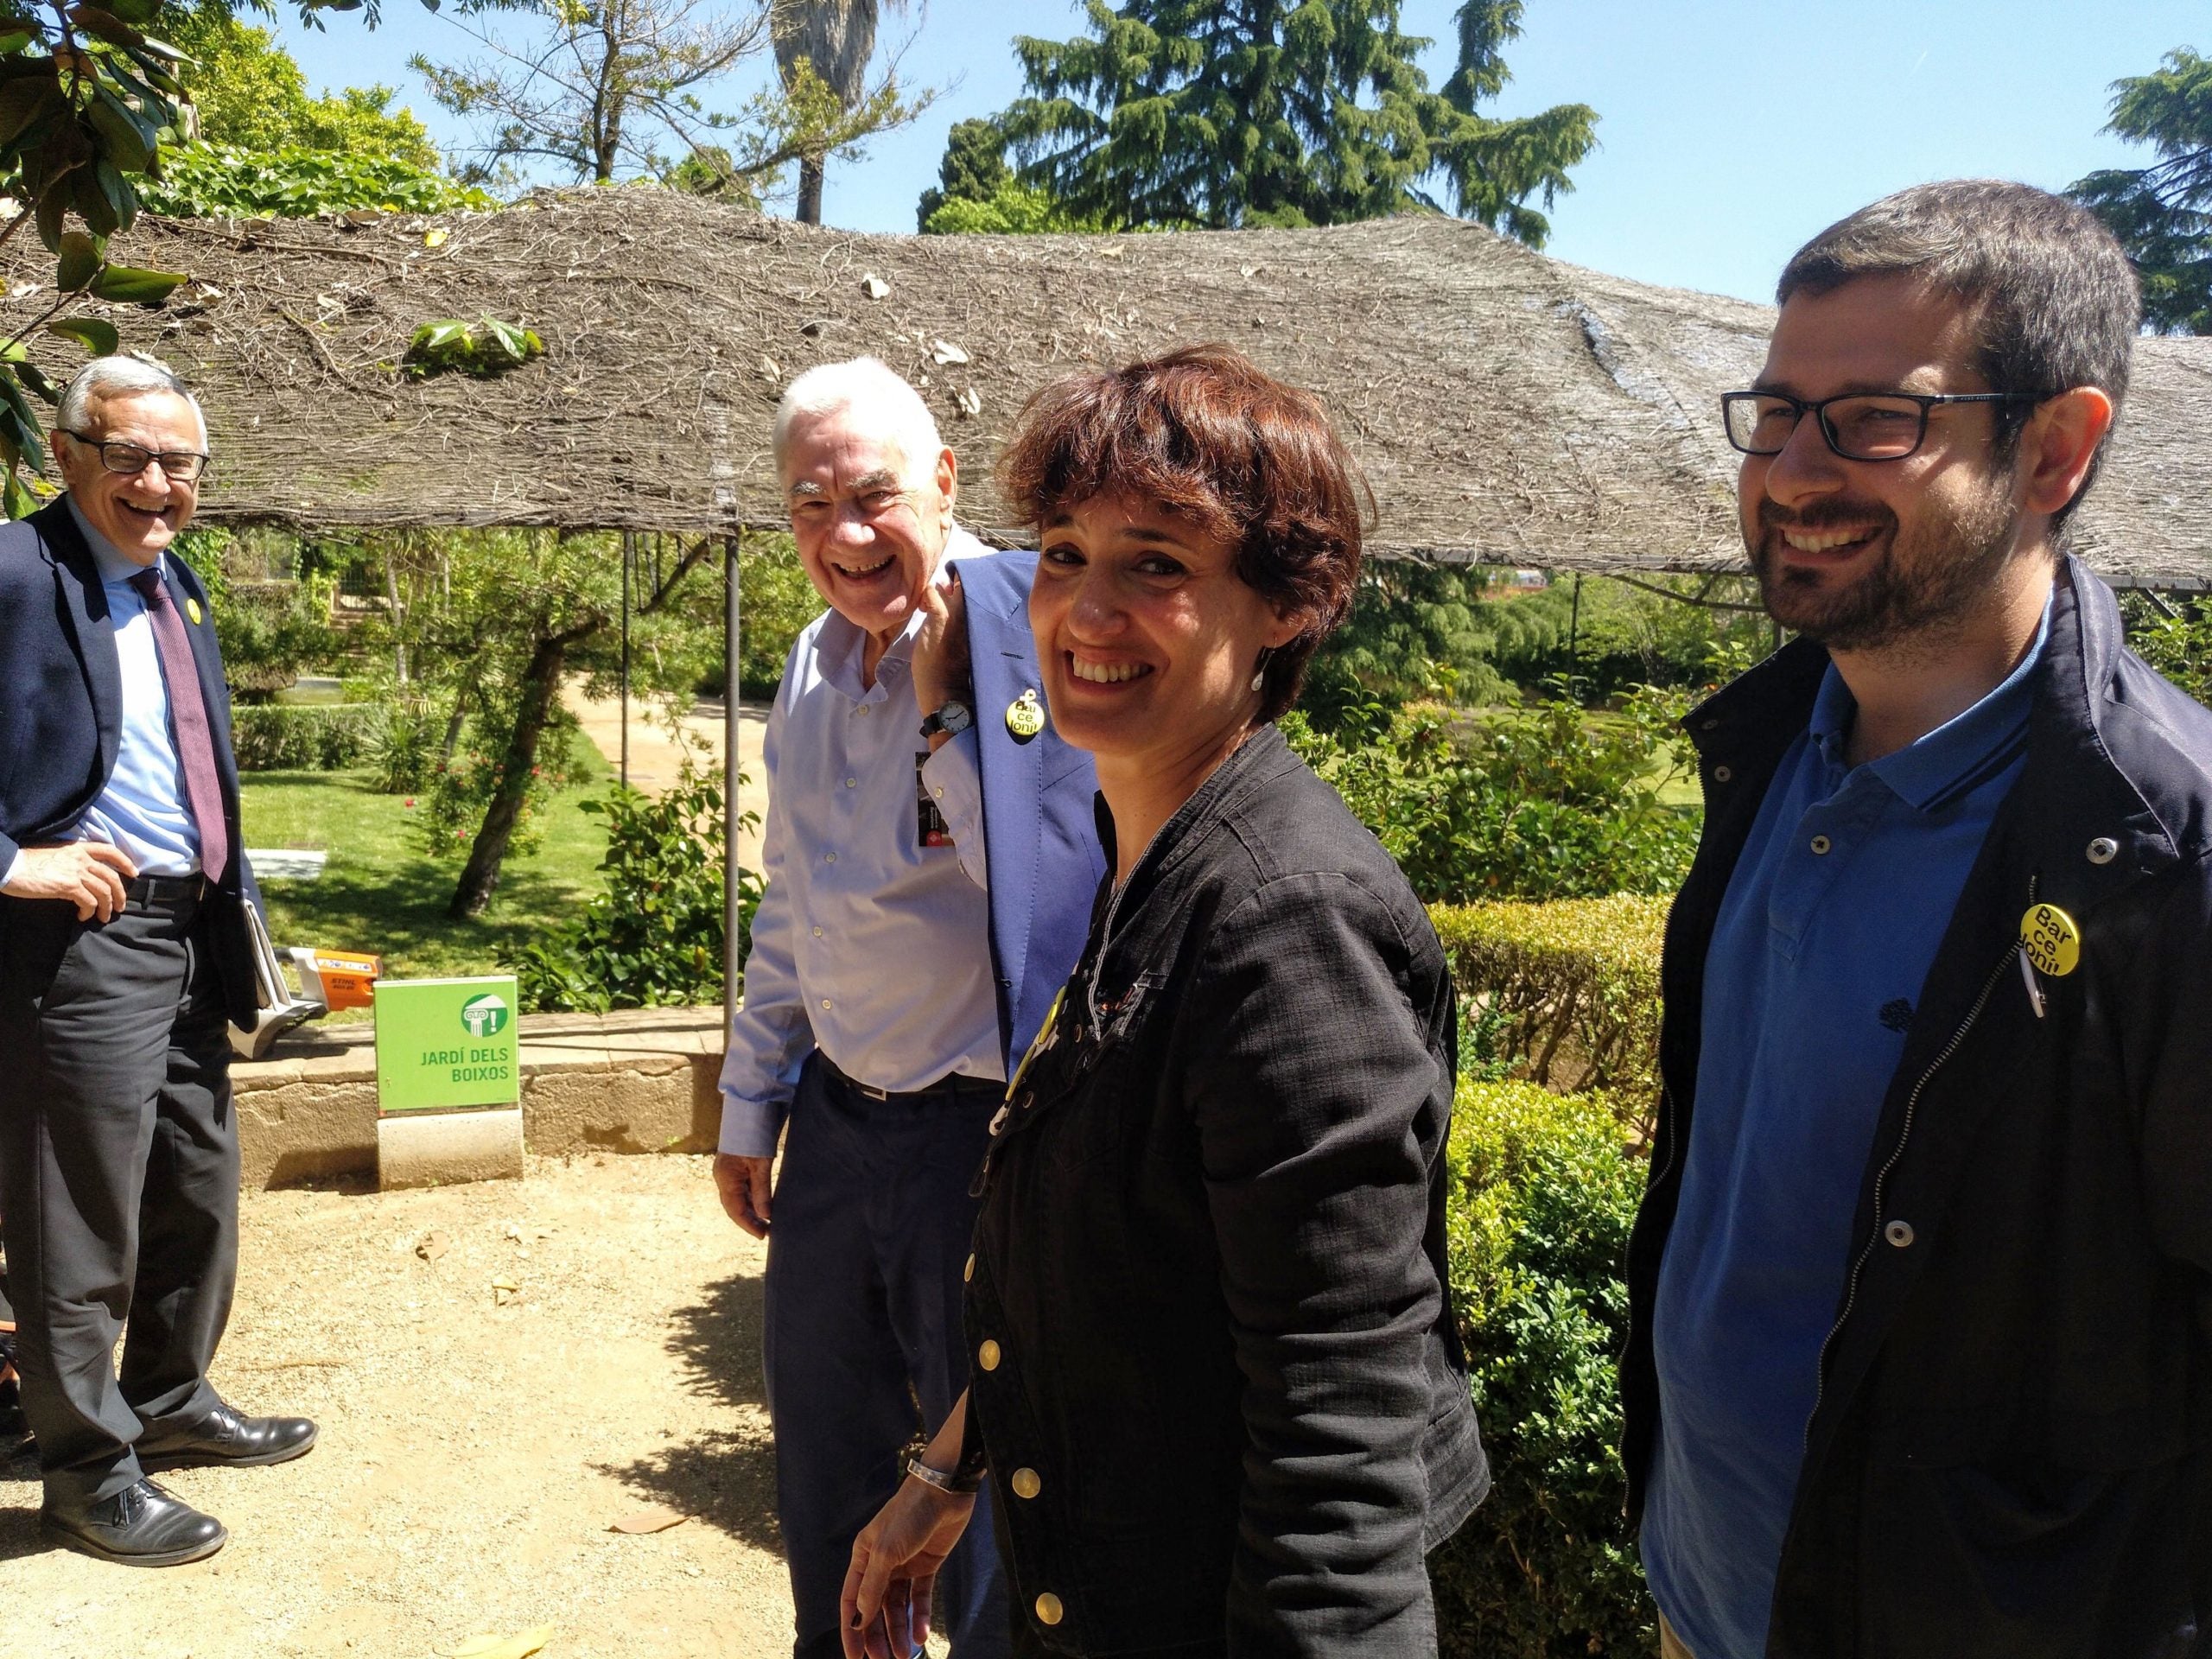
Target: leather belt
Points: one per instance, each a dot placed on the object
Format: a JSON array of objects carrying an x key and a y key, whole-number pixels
[
  {"x": 953, "y": 1083},
  {"x": 165, "y": 890}
]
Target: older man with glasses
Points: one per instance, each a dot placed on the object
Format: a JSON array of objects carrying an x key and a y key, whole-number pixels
[
  {"x": 931, "y": 854},
  {"x": 124, "y": 944},
  {"x": 1921, "y": 1294}
]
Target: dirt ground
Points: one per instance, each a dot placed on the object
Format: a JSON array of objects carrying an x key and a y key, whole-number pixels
[{"x": 477, "y": 1446}]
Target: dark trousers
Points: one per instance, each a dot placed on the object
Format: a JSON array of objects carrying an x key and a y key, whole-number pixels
[
  {"x": 118, "y": 1178},
  {"x": 870, "y": 1229}
]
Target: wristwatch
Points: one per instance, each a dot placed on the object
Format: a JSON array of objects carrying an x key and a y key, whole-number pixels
[{"x": 952, "y": 719}]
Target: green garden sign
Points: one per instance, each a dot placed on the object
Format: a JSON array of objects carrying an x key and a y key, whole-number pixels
[{"x": 444, "y": 1043}]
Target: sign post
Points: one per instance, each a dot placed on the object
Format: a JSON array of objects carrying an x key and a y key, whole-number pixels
[{"x": 448, "y": 1081}]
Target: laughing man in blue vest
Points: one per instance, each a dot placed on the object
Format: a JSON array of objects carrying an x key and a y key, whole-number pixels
[{"x": 930, "y": 859}]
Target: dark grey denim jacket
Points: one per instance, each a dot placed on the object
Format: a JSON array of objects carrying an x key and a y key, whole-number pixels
[{"x": 1224, "y": 1400}]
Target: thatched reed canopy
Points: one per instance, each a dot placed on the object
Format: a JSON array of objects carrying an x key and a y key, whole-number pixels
[{"x": 1509, "y": 409}]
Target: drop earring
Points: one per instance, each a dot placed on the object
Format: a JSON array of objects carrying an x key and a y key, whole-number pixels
[{"x": 1259, "y": 670}]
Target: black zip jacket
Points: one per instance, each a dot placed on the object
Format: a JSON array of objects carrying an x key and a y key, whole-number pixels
[
  {"x": 1215, "y": 1372},
  {"x": 2008, "y": 1457}
]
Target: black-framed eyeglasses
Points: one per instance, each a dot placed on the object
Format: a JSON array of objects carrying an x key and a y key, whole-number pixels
[
  {"x": 183, "y": 466},
  {"x": 1858, "y": 426}
]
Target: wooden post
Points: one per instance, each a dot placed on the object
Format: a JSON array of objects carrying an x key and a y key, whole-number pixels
[
  {"x": 629, "y": 558},
  {"x": 730, "y": 814},
  {"x": 1574, "y": 626}
]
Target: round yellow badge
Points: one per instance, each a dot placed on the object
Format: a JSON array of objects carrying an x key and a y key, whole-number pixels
[
  {"x": 2052, "y": 941},
  {"x": 191, "y": 610},
  {"x": 1025, "y": 715}
]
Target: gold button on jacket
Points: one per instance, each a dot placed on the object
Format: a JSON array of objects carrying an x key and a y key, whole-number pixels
[
  {"x": 1026, "y": 1483},
  {"x": 987, "y": 1355},
  {"x": 1049, "y": 1610}
]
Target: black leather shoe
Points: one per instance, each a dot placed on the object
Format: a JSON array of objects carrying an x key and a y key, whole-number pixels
[
  {"x": 225, "y": 1439},
  {"x": 140, "y": 1526}
]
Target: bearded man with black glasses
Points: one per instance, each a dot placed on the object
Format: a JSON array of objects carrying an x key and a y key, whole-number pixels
[{"x": 1921, "y": 1349}]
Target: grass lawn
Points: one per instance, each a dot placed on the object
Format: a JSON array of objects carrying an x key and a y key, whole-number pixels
[{"x": 381, "y": 892}]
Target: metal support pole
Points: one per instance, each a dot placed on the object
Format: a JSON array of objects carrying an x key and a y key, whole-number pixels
[
  {"x": 1574, "y": 625},
  {"x": 629, "y": 558},
  {"x": 730, "y": 814}
]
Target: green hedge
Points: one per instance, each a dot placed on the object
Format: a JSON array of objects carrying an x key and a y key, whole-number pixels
[
  {"x": 306, "y": 737},
  {"x": 1573, "y": 986},
  {"x": 1544, "y": 1189}
]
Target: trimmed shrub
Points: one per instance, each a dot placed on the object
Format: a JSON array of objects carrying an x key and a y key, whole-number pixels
[
  {"x": 1573, "y": 986},
  {"x": 1544, "y": 1189},
  {"x": 1547, "y": 801},
  {"x": 305, "y": 737}
]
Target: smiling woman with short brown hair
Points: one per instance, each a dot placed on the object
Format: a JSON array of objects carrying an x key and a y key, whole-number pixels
[{"x": 1216, "y": 1382}]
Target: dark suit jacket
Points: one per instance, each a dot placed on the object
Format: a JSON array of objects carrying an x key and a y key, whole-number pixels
[
  {"x": 62, "y": 713},
  {"x": 1040, "y": 833}
]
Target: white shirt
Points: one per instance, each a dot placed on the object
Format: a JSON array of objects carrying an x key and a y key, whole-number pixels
[{"x": 869, "y": 943}]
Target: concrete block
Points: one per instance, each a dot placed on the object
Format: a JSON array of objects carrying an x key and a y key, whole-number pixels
[
  {"x": 637, "y": 1081},
  {"x": 445, "y": 1148}
]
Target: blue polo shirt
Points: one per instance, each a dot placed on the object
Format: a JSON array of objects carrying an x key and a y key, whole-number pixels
[{"x": 1823, "y": 941}]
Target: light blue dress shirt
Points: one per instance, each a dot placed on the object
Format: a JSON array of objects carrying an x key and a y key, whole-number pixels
[
  {"x": 872, "y": 940},
  {"x": 1826, "y": 933},
  {"x": 142, "y": 808}
]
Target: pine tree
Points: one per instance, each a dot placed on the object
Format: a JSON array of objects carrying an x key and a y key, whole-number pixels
[
  {"x": 2162, "y": 213},
  {"x": 1223, "y": 113},
  {"x": 974, "y": 170}
]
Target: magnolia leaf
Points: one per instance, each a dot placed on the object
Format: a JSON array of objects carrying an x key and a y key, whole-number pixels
[
  {"x": 658, "y": 1519},
  {"x": 17, "y": 415},
  {"x": 944, "y": 351},
  {"x": 434, "y": 238},
  {"x": 128, "y": 285},
  {"x": 107, "y": 199},
  {"x": 432, "y": 1246},
  {"x": 130, "y": 136},
  {"x": 96, "y": 336},
  {"x": 53, "y": 204},
  {"x": 14, "y": 41},
  {"x": 81, "y": 261},
  {"x": 18, "y": 501},
  {"x": 24, "y": 102},
  {"x": 104, "y": 26},
  {"x": 134, "y": 11},
  {"x": 34, "y": 378}
]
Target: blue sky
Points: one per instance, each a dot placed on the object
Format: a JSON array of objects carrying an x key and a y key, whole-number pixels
[{"x": 1732, "y": 129}]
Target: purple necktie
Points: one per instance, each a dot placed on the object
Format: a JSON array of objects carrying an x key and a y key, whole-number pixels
[{"x": 196, "y": 744}]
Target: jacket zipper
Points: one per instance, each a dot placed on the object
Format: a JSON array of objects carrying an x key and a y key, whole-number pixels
[{"x": 1881, "y": 1178}]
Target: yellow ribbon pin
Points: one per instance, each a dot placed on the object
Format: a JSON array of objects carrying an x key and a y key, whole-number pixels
[
  {"x": 191, "y": 610},
  {"x": 1025, "y": 715},
  {"x": 2052, "y": 940}
]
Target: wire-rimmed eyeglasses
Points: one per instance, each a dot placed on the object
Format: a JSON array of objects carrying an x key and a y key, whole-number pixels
[
  {"x": 1858, "y": 426},
  {"x": 181, "y": 466}
]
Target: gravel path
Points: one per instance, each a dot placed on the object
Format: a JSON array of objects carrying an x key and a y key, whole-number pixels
[
  {"x": 477, "y": 1445},
  {"x": 656, "y": 757}
]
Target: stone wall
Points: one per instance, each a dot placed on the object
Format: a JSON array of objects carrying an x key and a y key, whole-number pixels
[{"x": 642, "y": 1080}]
